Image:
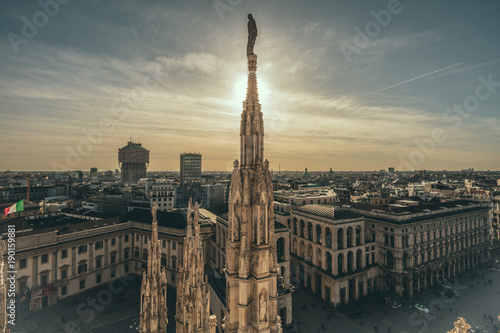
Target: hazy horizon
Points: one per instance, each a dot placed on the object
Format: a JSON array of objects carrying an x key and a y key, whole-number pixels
[{"x": 342, "y": 85}]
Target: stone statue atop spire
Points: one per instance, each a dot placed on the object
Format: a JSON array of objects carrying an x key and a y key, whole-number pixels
[
  {"x": 193, "y": 295},
  {"x": 153, "y": 317},
  {"x": 252, "y": 34},
  {"x": 251, "y": 260}
]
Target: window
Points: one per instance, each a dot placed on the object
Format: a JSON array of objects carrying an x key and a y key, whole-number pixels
[
  {"x": 126, "y": 268},
  {"x": 44, "y": 279},
  {"x": 173, "y": 278},
  {"x": 82, "y": 267},
  {"x": 113, "y": 273},
  {"x": 64, "y": 254},
  {"x": 22, "y": 263},
  {"x": 113, "y": 258},
  {"x": 64, "y": 273},
  {"x": 136, "y": 252},
  {"x": 145, "y": 255},
  {"x": 98, "y": 262},
  {"x": 82, "y": 284},
  {"x": 173, "y": 245},
  {"x": 45, "y": 258},
  {"x": 22, "y": 286},
  {"x": 64, "y": 290},
  {"x": 98, "y": 278},
  {"x": 82, "y": 249},
  {"x": 113, "y": 241},
  {"x": 99, "y": 245},
  {"x": 164, "y": 260},
  {"x": 125, "y": 239},
  {"x": 174, "y": 262},
  {"x": 125, "y": 254},
  {"x": 136, "y": 238},
  {"x": 164, "y": 243}
]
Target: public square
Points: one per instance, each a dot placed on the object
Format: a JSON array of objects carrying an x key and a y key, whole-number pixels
[{"x": 472, "y": 304}]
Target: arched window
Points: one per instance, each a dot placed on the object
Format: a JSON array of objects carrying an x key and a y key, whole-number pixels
[
  {"x": 302, "y": 229},
  {"x": 390, "y": 259},
  {"x": 294, "y": 246},
  {"x": 302, "y": 250},
  {"x": 328, "y": 235},
  {"x": 294, "y": 226},
  {"x": 318, "y": 257},
  {"x": 340, "y": 263},
  {"x": 163, "y": 260},
  {"x": 392, "y": 240},
  {"x": 309, "y": 231},
  {"x": 319, "y": 239},
  {"x": 280, "y": 249},
  {"x": 386, "y": 239},
  {"x": 349, "y": 261},
  {"x": 310, "y": 253},
  {"x": 358, "y": 235},
  {"x": 349, "y": 237},
  {"x": 329, "y": 262},
  {"x": 359, "y": 255},
  {"x": 340, "y": 239}
]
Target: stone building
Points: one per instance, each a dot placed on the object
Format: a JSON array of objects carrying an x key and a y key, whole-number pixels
[
  {"x": 134, "y": 161},
  {"x": 193, "y": 296},
  {"x": 420, "y": 246},
  {"x": 331, "y": 256},
  {"x": 64, "y": 254},
  {"x": 496, "y": 219},
  {"x": 153, "y": 316}
]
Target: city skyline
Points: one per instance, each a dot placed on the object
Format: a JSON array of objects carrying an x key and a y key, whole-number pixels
[{"x": 348, "y": 86}]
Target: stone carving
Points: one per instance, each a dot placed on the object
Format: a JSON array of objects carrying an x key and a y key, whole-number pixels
[
  {"x": 252, "y": 34},
  {"x": 154, "y": 287},
  {"x": 262, "y": 308},
  {"x": 193, "y": 295}
]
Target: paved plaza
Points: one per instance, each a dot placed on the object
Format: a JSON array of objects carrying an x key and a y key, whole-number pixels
[{"x": 477, "y": 301}]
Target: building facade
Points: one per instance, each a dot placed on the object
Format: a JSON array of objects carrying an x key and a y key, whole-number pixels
[
  {"x": 190, "y": 168},
  {"x": 331, "y": 256},
  {"x": 134, "y": 161},
  {"x": 421, "y": 246}
]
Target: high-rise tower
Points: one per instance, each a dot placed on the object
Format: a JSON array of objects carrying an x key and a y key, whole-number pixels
[
  {"x": 153, "y": 317},
  {"x": 134, "y": 161},
  {"x": 193, "y": 296},
  {"x": 251, "y": 265}
]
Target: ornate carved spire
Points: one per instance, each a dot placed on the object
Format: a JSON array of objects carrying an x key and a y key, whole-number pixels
[
  {"x": 153, "y": 317},
  {"x": 251, "y": 266},
  {"x": 193, "y": 296}
]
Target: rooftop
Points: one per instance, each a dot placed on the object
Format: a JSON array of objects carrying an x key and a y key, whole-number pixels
[{"x": 330, "y": 212}]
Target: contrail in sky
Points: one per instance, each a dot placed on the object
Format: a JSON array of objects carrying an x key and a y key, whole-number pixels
[{"x": 415, "y": 78}]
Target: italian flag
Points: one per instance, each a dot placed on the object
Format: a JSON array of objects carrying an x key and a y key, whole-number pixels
[{"x": 17, "y": 207}]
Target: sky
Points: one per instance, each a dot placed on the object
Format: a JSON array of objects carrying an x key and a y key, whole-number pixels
[{"x": 347, "y": 85}]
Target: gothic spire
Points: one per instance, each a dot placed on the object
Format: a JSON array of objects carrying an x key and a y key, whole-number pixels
[
  {"x": 193, "y": 296},
  {"x": 153, "y": 317}
]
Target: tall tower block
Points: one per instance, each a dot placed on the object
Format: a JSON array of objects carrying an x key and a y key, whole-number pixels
[
  {"x": 251, "y": 265},
  {"x": 134, "y": 161}
]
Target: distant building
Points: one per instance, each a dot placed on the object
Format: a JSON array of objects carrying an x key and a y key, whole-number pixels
[
  {"x": 391, "y": 170},
  {"x": 94, "y": 176},
  {"x": 133, "y": 160},
  {"x": 190, "y": 168},
  {"x": 163, "y": 194}
]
